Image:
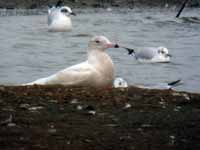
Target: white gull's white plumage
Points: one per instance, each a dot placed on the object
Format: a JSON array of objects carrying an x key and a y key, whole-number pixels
[
  {"x": 96, "y": 71},
  {"x": 59, "y": 18},
  {"x": 159, "y": 54}
]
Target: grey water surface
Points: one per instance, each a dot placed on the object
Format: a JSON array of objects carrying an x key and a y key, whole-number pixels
[{"x": 28, "y": 51}]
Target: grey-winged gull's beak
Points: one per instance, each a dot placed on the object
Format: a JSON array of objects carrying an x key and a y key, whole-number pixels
[
  {"x": 168, "y": 55},
  {"x": 72, "y": 13}
]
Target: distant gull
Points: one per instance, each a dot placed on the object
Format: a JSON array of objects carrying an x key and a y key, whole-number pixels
[
  {"x": 122, "y": 83},
  {"x": 96, "y": 71},
  {"x": 59, "y": 17},
  {"x": 159, "y": 54}
]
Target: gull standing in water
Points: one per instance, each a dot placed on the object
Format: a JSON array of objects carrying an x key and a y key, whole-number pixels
[
  {"x": 59, "y": 18},
  {"x": 96, "y": 71}
]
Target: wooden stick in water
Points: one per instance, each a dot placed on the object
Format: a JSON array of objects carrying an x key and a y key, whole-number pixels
[
  {"x": 181, "y": 9},
  {"x": 59, "y": 3}
]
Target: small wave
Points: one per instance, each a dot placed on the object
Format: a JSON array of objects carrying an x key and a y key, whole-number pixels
[
  {"x": 82, "y": 35},
  {"x": 190, "y": 19},
  {"x": 22, "y": 12}
]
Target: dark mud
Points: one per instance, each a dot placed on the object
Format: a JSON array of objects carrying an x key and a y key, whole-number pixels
[
  {"x": 57, "y": 117},
  {"x": 32, "y": 4}
]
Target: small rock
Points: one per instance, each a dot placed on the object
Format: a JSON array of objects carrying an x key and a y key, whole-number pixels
[
  {"x": 127, "y": 105},
  {"x": 74, "y": 101},
  {"x": 24, "y": 106},
  {"x": 9, "y": 108},
  {"x": 146, "y": 125},
  {"x": 79, "y": 107},
  {"x": 111, "y": 125},
  {"x": 122, "y": 138},
  {"x": 11, "y": 124},
  {"x": 7, "y": 121},
  {"x": 51, "y": 126},
  {"x": 87, "y": 140},
  {"x": 21, "y": 138},
  {"x": 62, "y": 108},
  {"x": 177, "y": 108},
  {"x": 186, "y": 96},
  {"x": 35, "y": 108},
  {"x": 92, "y": 112},
  {"x": 53, "y": 101},
  {"x": 89, "y": 109},
  {"x": 176, "y": 94},
  {"x": 140, "y": 129},
  {"x": 161, "y": 103},
  {"x": 52, "y": 131},
  {"x": 2, "y": 88},
  {"x": 172, "y": 138}
]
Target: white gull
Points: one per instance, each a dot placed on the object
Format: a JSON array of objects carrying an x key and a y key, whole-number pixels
[
  {"x": 59, "y": 18},
  {"x": 96, "y": 71}
]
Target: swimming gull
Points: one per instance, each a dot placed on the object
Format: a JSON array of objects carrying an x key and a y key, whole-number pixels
[
  {"x": 59, "y": 18},
  {"x": 96, "y": 71},
  {"x": 159, "y": 54}
]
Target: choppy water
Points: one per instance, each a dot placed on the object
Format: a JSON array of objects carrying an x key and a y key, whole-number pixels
[{"x": 28, "y": 51}]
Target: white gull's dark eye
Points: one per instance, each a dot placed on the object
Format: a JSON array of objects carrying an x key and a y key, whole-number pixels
[
  {"x": 64, "y": 10},
  {"x": 97, "y": 41},
  {"x": 162, "y": 52}
]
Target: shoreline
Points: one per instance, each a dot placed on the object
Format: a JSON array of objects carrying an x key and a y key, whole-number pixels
[
  {"x": 59, "y": 117},
  {"x": 38, "y": 4}
]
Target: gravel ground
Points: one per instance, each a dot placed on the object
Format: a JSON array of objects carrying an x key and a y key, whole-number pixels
[{"x": 78, "y": 118}]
